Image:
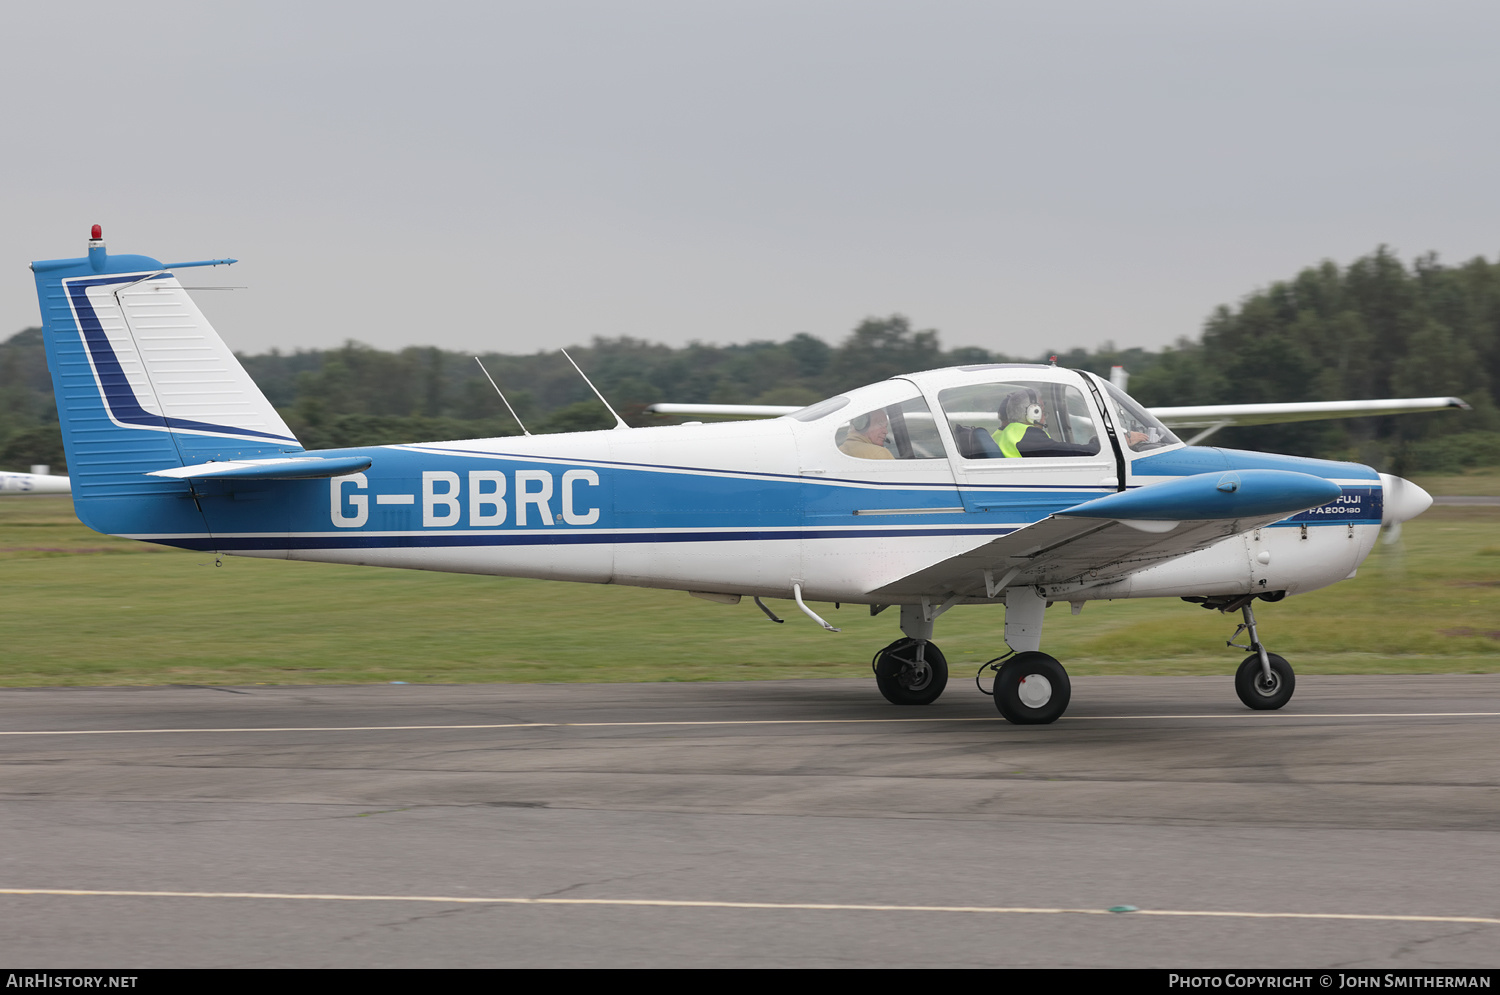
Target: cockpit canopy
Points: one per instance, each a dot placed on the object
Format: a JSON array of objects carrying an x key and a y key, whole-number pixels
[{"x": 990, "y": 412}]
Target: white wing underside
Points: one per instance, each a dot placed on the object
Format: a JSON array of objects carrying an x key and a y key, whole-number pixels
[{"x": 1063, "y": 551}]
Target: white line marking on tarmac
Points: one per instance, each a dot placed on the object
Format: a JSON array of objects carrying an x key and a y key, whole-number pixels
[
  {"x": 742, "y": 722},
  {"x": 778, "y": 906}
]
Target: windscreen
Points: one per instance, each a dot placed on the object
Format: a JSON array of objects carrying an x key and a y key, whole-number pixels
[{"x": 1138, "y": 428}]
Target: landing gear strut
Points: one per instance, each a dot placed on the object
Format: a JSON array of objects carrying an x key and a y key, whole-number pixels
[
  {"x": 1264, "y": 681},
  {"x": 1031, "y": 688}
]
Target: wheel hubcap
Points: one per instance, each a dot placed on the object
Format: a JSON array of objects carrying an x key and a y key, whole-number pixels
[
  {"x": 1035, "y": 691},
  {"x": 1267, "y": 688},
  {"x": 916, "y": 678}
]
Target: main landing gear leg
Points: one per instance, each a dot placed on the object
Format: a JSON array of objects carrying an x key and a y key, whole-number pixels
[
  {"x": 912, "y": 670},
  {"x": 1031, "y": 687},
  {"x": 1264, "y": 680}
]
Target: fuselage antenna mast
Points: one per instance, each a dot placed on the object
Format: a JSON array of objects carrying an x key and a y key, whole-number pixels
[
  {"x": 502, "y": 395},
  {"x": 619, "y": 422}
]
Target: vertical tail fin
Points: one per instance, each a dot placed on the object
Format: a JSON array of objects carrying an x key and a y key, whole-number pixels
[{"x": 143, "y": 382}]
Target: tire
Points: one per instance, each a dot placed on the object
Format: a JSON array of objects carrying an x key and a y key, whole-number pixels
[
  {"x": 1032, "y": 689},
  {"x": 1254, "y": 693},
  {"x": 898, "y": 679}
]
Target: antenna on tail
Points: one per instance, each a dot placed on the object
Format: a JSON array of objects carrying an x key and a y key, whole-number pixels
[
  {"x": 502, "y": 395},
  {"x": 619, "y": 422}
]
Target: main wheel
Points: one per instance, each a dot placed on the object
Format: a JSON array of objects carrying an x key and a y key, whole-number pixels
[
  {"x": 1251, "y": 685},
  {"x": 1032, "y": 689},
  {"x": 902, "y": 681}
]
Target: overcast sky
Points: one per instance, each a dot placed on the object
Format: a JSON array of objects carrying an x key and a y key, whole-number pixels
[{"x": 522, "y": 176}]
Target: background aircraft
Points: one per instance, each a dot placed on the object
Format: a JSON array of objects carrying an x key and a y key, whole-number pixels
[
  {"x": 39, "y": 481},
  {"x": 1014, "y": 484}
]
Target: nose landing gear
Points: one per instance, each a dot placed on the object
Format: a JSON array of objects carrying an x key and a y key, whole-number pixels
[{"x": 1264, "y": 681}]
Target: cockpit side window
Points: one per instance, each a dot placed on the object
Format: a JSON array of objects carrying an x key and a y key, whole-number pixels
[
  {"x": 905, "y": 430},
  {"x": 1019, "y": 419}
]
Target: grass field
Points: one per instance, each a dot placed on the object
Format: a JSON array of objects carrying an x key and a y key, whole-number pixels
[
  {"x": 86, "y": 609},
  {"x": 1481, "y": 482}
]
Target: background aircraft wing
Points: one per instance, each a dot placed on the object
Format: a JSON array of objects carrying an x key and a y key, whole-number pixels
[{"x": 1104, "y": 539}]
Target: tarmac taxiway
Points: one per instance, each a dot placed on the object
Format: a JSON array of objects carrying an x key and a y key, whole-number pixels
[{"x": 776, "y": 823}]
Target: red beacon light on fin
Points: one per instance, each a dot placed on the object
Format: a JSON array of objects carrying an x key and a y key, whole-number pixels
[{"x": 98, "y": 259}]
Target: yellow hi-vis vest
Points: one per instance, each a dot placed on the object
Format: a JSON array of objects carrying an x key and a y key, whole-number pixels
[{"x": 1007, "y": 437}]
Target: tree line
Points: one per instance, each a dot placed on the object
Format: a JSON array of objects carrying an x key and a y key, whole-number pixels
[{"x": 1375, "y": 328}]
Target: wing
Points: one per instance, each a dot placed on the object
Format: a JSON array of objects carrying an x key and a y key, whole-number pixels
[
  {"x": 1212, "y": 417},
  {"x": 1105, "y": 539},
  {"x": 1206, "y": 416}
]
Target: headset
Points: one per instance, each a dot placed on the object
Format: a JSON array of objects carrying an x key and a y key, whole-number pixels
[{"x": 1024, "y": 405}]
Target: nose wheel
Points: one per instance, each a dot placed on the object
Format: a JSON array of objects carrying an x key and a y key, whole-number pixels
[
  {"x": 1261, "y": 691},
  {"x": 911, "y": 672}
]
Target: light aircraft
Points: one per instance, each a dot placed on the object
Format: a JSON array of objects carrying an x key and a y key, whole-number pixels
[
  {"x": 39, "y": 481},
  {"x": 1009, "y": 484}
]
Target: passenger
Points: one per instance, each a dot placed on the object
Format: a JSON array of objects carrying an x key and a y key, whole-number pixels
[{"x": 866, "y": 438}]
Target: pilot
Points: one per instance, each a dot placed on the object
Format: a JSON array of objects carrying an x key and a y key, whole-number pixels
[
  {"x": 866, "y": 438},
  {"x": 1023, "y": 430}
]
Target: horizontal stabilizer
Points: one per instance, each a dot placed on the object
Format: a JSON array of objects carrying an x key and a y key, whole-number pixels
[
  {"x": 1213, "y": 496},
  {"x": 726, "y": 410},
  {"x": 290, "y": 468}
]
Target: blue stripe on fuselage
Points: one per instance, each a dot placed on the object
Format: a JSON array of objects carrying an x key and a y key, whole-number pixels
[{"x": 667, "y": 506}]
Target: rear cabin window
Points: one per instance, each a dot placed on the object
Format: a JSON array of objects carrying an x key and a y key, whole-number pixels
[
  {"x": 897, "y": 431},
  {"x": 1020, "y": 420}
]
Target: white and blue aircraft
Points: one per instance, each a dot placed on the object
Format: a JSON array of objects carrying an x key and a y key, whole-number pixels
[{"x": 1009, "y": 484}]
